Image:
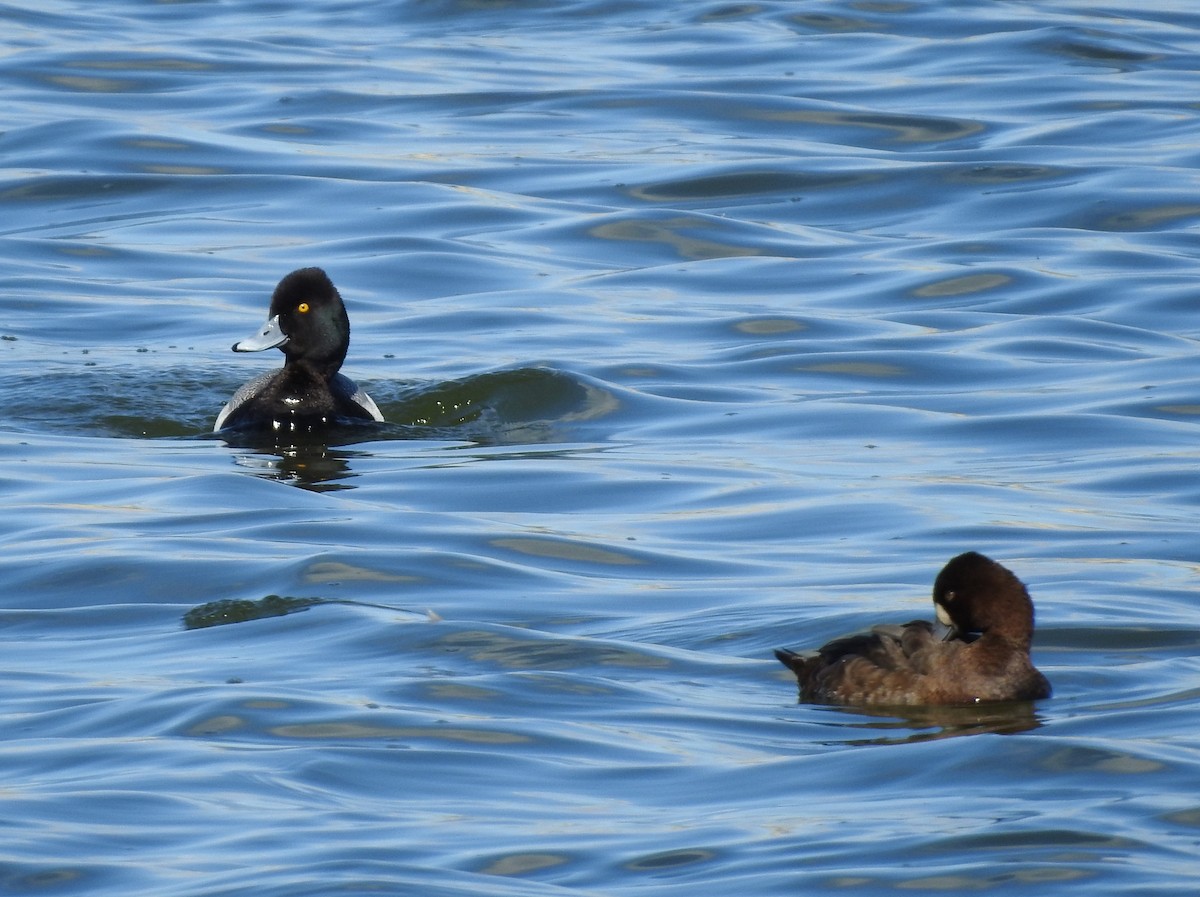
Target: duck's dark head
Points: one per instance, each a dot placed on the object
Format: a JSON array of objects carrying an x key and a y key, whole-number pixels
[
  {"x": 307, "y": 322},
  {"x": 975, "y": 594}
]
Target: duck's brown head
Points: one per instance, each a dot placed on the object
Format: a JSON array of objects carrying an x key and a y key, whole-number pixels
[{"x": 975, "y": 594}]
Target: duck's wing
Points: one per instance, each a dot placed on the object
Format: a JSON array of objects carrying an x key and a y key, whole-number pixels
[
  {"x": 844, "y": 670},
  {"x": 348, "y": 391},
  {"x": 880, "y": 646},
  {"x": 890, "y": 665},
  {"x": 245, "y": 393}
]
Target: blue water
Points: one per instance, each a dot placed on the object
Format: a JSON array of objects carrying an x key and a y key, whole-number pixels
[{"x": 700, "y": 329}]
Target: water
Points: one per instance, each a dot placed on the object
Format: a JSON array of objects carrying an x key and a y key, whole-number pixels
[{"x": 700, "y": 329}]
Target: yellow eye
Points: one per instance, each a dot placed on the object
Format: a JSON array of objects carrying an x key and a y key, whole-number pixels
[{"x": 302, "y": 308}]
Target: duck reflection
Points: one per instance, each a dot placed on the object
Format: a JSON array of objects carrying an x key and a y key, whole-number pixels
[
  {"x": 934, "y": 722},
  {"x": 317, "y": 466}
]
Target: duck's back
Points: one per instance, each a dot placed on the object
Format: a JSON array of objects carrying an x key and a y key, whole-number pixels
[
  {"x": 888, "y": 665},
  {"x": 909, "y": 665}
]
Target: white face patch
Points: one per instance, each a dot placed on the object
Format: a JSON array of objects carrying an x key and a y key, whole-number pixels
[{"x": 943, "y": 616}]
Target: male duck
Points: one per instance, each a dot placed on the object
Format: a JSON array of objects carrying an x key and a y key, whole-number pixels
[
  {"x": 984, "y": 657},
  {"x": 308, "y": 323}
]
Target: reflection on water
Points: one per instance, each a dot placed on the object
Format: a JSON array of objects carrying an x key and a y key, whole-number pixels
[
  {"x": 684, "y": 235},
  {"x": 904, "y": 128},
  {"x": 495, "y": 647},
  {"x": 915, "y": 724},
  {"x": 315, "y": 466}
]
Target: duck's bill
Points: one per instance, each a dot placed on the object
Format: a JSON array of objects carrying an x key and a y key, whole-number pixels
[{"x": 269, "y": 337}]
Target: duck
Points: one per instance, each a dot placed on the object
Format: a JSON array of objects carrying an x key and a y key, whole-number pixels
[
  {"x": 984, "y": 657},
  {"x": 307, "y": 321}
]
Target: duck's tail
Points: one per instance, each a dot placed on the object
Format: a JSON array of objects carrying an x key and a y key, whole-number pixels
[{"x": 790, "y": 659}]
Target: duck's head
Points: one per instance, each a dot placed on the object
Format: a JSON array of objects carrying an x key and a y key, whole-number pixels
[
  {"x": 307, "y": 322},
  {"x": 975, "y": 594}
]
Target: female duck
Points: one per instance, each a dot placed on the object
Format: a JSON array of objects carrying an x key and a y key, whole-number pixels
[
  {"x": 984, "y": 657},
  {"x": 308, "y": 323}
]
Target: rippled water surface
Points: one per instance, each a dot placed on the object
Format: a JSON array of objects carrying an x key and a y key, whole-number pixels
[{"x": 700, "y": 329}]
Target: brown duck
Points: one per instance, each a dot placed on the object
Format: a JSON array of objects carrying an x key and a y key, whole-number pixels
[{"x": 984, "y": 657}]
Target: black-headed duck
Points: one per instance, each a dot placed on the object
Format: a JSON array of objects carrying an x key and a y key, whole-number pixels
[
  {"x": 308, "y": 323},
  {"x": 984, "y": 656}
]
